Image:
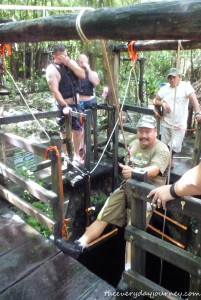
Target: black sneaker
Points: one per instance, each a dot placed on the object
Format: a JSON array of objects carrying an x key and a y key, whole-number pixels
[{"x": 74, "y": 249}]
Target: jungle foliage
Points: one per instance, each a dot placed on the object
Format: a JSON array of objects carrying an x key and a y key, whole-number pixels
[{"x": 28, "y": 61}]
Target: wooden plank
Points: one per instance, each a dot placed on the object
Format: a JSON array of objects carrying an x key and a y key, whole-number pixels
[
  {"x": 21, "y": 261},
  {"x": 32, "y": 267},
  {"x": 14, "y": 234},
  {"x": 34, "y": 188},
  {"x": 61, "y": 277},
  {"x": 90, "y": 287},
  {"x": 165, "y": 20},
  {"x": 46, "y": 280},
  {"x": 138, "y": 109},
  {"x": 185, "y": 260},
  {"x": 27, "y": 208},
  {"x": 23, "y": 143},
  {"x": 28, "y": 117},
  {"x": 147, "y": 287},
  {"x": 7, "y": 217}
]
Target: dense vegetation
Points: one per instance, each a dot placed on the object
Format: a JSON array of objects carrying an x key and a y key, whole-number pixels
[{"x": 28, "y": 60}]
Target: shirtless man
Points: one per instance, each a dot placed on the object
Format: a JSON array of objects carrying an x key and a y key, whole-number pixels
[{"x": 62, "y": 76}]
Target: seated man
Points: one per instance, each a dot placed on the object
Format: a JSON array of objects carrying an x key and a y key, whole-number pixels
[{"x": 147, "y": 153}]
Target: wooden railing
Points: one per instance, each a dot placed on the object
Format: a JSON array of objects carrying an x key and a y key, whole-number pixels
[
  {"x": 53, "y": 197},
  {"x": 143, "y": 242}
]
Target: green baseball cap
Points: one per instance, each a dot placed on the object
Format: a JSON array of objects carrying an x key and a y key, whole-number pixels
[{"x": 147, "y": 122}]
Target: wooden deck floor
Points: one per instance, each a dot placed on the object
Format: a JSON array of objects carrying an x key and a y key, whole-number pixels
[{"x": 32, "y": 267}]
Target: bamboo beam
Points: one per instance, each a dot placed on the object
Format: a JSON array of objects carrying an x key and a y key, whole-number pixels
[{"x": 165, "y": 20}]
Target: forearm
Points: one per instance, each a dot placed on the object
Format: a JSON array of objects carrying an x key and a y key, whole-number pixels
[
  {"x": 93, "y": 77},
  {"x": 194, "y": 102},
  {"x": 190, "y": 183},
  {"x": 157, "y": 101},
  {"x": 152, "y": 171},
  {"x": 79, "y": 72}
]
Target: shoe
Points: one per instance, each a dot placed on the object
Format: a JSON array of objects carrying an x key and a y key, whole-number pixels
[{"x": 74, "y": 249}]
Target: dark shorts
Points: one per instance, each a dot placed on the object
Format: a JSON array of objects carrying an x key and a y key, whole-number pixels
[{"x": 76, "y": 124}]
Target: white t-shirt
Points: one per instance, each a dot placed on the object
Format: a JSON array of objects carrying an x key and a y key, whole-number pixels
[{"x": 167, "y": 93}]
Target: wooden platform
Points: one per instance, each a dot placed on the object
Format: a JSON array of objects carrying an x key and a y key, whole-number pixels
[{"x": 32, "y": 267}]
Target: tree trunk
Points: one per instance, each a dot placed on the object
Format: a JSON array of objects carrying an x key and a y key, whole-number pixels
[{"x": 145, "y": 21}]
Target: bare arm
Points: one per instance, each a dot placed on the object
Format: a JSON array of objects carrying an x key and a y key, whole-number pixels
[
  {"x": 157, "y": 101},
  {"x": 196, "y": 107},
  {"x": 53, "y": 78},
  {"x": 188, "y": 185},
  {"x": 93, "y": 76},
  {"x": 152, "y": 171},
  {"x": 71, "y": 64}
]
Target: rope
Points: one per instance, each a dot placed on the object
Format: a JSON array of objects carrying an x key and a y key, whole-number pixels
[
  {"x": 42, "y": 128},
  {"x": 114, "y": 126},
  {"x": 78, "y": 24},
  {"x": 55, "y": 149},
  {"x": 103, "y": 46},
  {"x": 171, "y": 144}
]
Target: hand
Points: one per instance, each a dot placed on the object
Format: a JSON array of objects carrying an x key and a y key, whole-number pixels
[
  {"x": 64, "y": 59},
  {"x": 67, "y": 110},
  {"x": 198, "y": 118},
  {"x": 166, "y": 107},
  {"x": 126, "y": 171},
  {"x": 161, "y": 196},
  {"x": 86, "y": 67}
]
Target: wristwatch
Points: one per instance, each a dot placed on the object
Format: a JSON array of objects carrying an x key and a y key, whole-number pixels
[{"x": 197, "y": 113}]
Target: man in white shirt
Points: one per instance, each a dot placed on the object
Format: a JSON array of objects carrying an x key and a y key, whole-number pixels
[{"x": 174, "y": 98}]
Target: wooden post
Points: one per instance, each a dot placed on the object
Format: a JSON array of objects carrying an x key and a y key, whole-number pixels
[
  {"x": 57, "y": 187},
  {"x": 69, "y": 144},
  {"x": 195, "y": 282},
  {"x": 95, "y": 132},
  {"x": 87, "y": 139},
  {"x": 197, "y": 147},
  {"x": 138, "y": 219},
  {"x": 115, "y": 151},
  {"x": 141, "y": 81},
  {"x": 2, "y": 158}
]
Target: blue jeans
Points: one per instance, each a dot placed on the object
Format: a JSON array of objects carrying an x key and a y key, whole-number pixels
[{"x": 88, "y": 104}]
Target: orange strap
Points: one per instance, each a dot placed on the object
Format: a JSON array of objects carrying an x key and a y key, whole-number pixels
[
  {"x": 2, "y": 54},
  {"x": 5, "y": 47},
  {"x": 54, "y": 148},
  {"x": 131, "y": 51}
]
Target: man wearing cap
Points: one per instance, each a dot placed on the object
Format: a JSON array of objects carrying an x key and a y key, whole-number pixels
[
  {"x": 147, "y": 154},
  {"x": 174, "y": 99}
]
